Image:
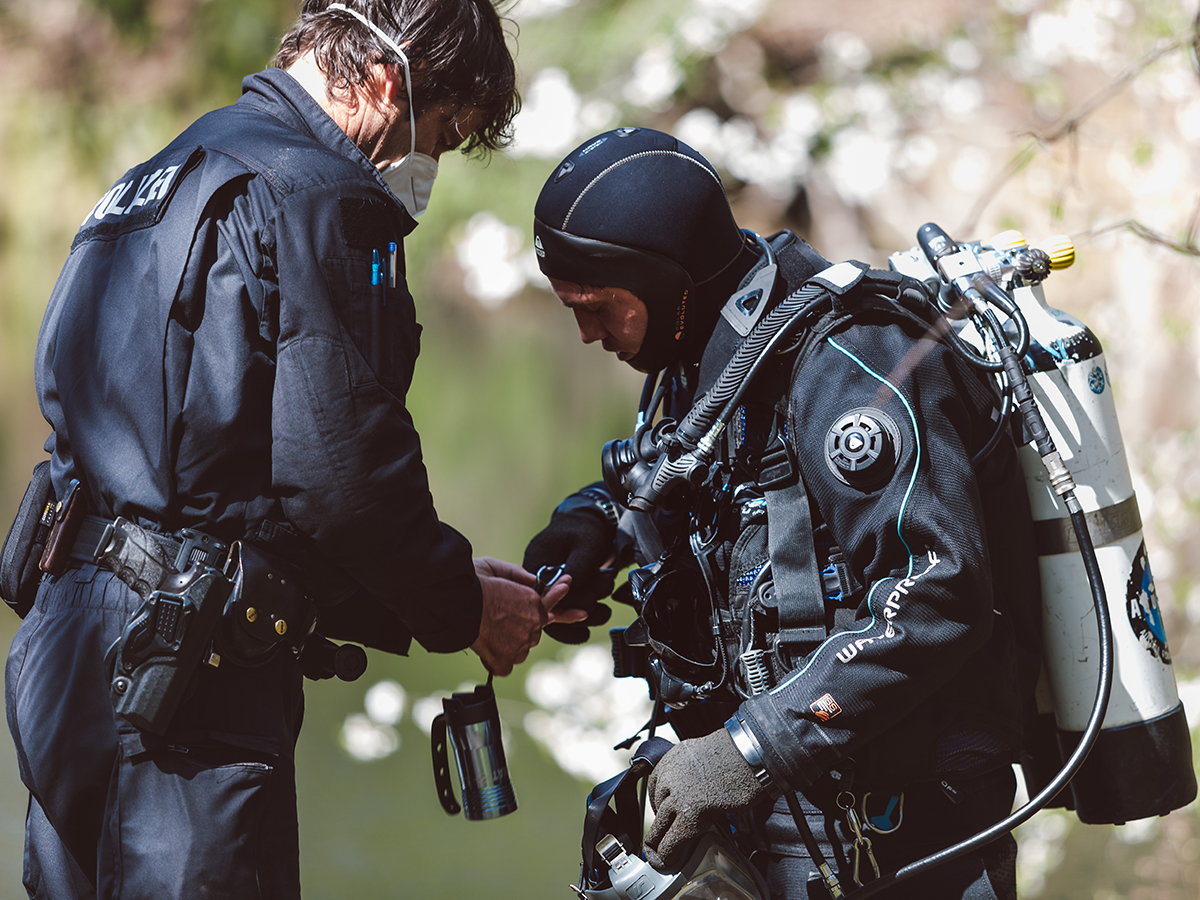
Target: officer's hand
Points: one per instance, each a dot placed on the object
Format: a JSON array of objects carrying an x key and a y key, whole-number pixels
[
  {"x": 583, "y": 539},
  {"x": 514, "y": 614},
  {"x": 692, "y": 785}
]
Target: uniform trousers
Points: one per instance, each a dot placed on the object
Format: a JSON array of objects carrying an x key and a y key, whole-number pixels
[{"x": 206, "y": 810}]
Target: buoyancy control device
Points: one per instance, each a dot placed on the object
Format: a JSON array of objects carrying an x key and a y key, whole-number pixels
[{"x": 1141, "y": 762}]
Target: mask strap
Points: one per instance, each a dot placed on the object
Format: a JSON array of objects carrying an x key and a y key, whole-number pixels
[{"x": 383, "y": 36}]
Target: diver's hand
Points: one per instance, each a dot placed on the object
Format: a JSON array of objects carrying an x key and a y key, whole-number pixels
[
  {"x": 693, "y": 784},
  {"x": 514, "y": 614},
  {"x": 582, "y": 537}
]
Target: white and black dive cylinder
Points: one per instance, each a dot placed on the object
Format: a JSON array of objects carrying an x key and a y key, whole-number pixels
[{"x": 1141, "y": 763}]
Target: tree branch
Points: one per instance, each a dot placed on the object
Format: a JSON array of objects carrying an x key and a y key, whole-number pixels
[
  {"x": 1187, "y": 246},
  {"x": 1070, "y": 125}
]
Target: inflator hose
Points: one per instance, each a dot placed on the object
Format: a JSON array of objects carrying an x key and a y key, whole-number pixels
[
  {"x": 1090, "y": 733},
  {"x": 720, "y": 401}
]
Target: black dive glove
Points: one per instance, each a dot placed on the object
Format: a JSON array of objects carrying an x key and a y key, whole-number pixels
[
  {"x": 696, "y": 782},
  {"x": 582, "y": 534}
]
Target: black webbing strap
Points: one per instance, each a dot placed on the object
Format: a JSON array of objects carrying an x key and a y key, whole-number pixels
[
  {"x": 625, "y": 823},
  {"x": 799, "y": 589},
  {"x": 800, "y": 586}
]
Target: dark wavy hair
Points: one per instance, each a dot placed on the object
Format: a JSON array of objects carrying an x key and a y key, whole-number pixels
[{"x": 456, "y": 49}]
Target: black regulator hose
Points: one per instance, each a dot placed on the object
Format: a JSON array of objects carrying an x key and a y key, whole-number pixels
[
  {"x": 1001, "y": 425},
  {"x": 937, "y": 244},
  {"x": 723, "y": 397},
  {"x": 997, "y": 296},
  {"x": 652, "y": 393}
]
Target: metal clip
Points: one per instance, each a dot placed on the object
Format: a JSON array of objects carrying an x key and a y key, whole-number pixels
[
  {"x": 893, "y": 812},
  {"x": 548, "y": 576},
  {"x": 845, "y": 800}
]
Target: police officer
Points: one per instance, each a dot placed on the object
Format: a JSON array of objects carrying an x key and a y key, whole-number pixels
[
  {"x": 823, "y": 609},
  {"x": 227, "y": 350}
]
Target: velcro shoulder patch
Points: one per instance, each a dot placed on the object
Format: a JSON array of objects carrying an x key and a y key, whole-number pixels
[
  {"x": 841, "y": 277},
  {"x": 140, "y": 198},
  {"x": 367, "y": 224}
]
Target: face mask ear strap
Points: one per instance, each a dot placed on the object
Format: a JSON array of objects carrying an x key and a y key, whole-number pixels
[{"x": 383, "y": 36}]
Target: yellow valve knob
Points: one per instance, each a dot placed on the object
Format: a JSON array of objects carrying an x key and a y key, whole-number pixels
[
  {"x": 1060, "y": 249},
  {"x": 281, "y": 627},
  {"x": 1008, "y": 240},
  {"x": 251, "y": 614}
]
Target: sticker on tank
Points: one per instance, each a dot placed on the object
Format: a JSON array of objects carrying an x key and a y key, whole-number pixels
[{"x": 1142, "y": 605}]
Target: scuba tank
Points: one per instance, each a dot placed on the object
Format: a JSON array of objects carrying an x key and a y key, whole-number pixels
[{"x": 1141, "y": 762}]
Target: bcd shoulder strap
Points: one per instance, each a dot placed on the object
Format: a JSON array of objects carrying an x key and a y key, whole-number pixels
[{"x": 800, "y": 585}]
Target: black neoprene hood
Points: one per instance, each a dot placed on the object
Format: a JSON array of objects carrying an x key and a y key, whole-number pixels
[{"x": 640, "y": 210}]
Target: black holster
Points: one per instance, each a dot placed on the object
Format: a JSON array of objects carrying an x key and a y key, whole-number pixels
[
  {"x": 242, "y": 616},
  {"x": 152, "y": 663}
]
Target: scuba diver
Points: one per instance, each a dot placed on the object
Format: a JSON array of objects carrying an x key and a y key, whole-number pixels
[{"x": 827, "y": 603}]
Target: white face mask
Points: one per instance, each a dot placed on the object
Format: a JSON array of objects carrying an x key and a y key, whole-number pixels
[{"x": 411, "y": 177}]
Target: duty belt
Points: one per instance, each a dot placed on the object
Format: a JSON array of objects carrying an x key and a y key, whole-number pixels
[{"x": 186, "y": 546}]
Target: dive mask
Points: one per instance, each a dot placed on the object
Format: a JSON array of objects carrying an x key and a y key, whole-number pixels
[
  {"x": 713, "y": 870},
  {"x": 713, "y": 867}
]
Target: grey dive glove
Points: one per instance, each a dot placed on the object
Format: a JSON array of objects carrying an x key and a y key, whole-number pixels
[{"x": 695, "y": 782}]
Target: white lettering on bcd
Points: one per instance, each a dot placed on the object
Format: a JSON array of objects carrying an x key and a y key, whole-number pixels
[{"x": 891, "y": 608}]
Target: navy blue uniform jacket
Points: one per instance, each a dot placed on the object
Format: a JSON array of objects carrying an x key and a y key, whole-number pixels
[{"x": 215, "y": 356}]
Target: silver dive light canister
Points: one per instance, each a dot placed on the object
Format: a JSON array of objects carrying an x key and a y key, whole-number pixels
[{"x": 470, "y": 723}]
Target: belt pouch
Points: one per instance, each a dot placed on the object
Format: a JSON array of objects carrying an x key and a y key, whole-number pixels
[
  {"x": 26, "y": 540},
  {"x": 267, "y": 609}
]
